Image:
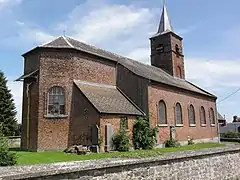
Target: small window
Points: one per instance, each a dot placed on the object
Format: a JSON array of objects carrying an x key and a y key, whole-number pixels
[
  {"x": 202, "y": 116},
  {"x": 178, "y": 114},
  {"x": 212, "y": 117},
  {"x": 191, "y": 115},
  {"x": 177, "y": 49},
  {"x": 124, "y": 123},
  {"x": 56, "y": 101},
  {"x": 162, "y": 113},
  {"x": 160, "y": 48}
]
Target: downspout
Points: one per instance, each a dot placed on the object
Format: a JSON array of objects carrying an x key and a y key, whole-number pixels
[{"x": 28, "y": 113}]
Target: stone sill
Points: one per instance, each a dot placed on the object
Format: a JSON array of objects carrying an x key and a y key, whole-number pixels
[
  {"x": 55, "y": 116},
  {"x": 204, "y": 125},
  {"x": 162, "y": 125},
  {"x": 179, "y": 125},
  {"x": 192, "y": 125},
  {"x": 213, "y": 125}
]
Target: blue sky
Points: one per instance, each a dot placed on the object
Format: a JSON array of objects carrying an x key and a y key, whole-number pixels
[{"x": 210, "y": 30}]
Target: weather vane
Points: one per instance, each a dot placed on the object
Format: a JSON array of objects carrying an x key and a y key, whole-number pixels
[{"x": 64, "y": 33}]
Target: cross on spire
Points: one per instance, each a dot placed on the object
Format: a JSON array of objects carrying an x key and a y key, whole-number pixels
[{"x": 165, "y": 24}]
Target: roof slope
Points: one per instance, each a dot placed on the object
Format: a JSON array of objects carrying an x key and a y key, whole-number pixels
[
  {"x": 219, "y": 116},
  {"x": 106, "y": 98},
  {"x": 143, "y": 70}
]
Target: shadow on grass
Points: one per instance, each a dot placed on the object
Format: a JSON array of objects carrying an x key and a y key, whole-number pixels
[{"x": 18, "y": 149}]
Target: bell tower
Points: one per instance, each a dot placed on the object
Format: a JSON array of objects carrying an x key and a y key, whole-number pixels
[{"x": 166, "y": 48}]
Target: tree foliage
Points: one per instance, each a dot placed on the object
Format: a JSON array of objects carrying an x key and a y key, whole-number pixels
[
  {"x": 121, "y": 140},
  {"x": 7, "y": 158},
  {"x": 7, "y": 108},
  {"x": 144, "y": 137}
]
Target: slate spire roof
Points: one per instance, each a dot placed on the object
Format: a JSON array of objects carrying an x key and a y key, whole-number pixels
[
  {"x": 146, "y": 71},
  {"x": 165, "y": 24}
]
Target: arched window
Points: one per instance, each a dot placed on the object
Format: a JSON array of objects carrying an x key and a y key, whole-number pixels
[
  {"x": 191, "y": 115},
  {"x": 178, "y": 114},
  {"x": 162, "y": 113},
  {"x": 56, "y": 101},
  {"x": 202, "y": 116},
  {"x": 212, "y": 117},
  {"x": 179, "y": 72},
  {"x": 177, "y": 49}
]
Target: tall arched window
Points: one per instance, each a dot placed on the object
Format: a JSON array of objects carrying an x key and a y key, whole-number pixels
[
  {"x": 162, "y": 113},
  {"x": 191, "y": 115},
  {"x": 178, "y": 114},
  {"x": 212, "y": 117},
  {"x": 179, "y": 72},
  {"x": 177, "y": 49},
  {"x": 202, "y": 116},
  {"x": 56, "y": 101}
]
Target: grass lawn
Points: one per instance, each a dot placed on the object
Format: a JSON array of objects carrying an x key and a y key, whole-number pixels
[{"x": 25, "y": 158}]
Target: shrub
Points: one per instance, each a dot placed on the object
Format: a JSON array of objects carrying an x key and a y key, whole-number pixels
[
  {"x": 7, "y": 158},
  {"x": 171, "y": 143},
  {"x": 144, "y": 137},
  {"x": 121, "y": 141},
  {"x": 230, "y": 135},
  {"x": 190, "y": 141}
]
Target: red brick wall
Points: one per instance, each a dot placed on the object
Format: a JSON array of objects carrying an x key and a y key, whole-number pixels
[
  {"x": 83, "y": 115},
  {"x": 171, "y": 97},
  {"x": 177, "y": 59},
  {"x": 60, "y": 68},
  {"x": 114, "y": 120}
]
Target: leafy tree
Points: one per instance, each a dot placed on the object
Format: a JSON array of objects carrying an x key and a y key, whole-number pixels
[
  {"x": 7, "y": 109},
  {"x": 144, "y": 137}
]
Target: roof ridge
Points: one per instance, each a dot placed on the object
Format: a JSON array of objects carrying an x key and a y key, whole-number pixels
[
  {"x": 91, "y": 45},
  {"x": 65, "y": 38},
  {"x": 49, "y": 41},
  {"x": 94, "y": 84},
  {"x": 120, "y": 56}
]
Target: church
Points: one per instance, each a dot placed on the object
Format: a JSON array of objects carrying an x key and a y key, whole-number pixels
[{"x": 75, "y": 93}]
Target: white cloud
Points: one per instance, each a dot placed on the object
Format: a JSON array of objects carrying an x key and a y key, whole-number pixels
[
  {"x": 105, "y": 22},
  {"x": 213, "y": 73}
]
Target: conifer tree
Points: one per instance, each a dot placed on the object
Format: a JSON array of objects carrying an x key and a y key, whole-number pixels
[{"x": 7, "y": 108}]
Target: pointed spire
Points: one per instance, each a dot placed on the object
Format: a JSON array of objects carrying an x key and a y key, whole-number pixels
[{"x": 165, "y": 24}]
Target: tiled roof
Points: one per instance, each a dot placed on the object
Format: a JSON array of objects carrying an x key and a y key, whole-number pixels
[
  {"x": 27, "y": 75},
  {"x": 107, "y": 99},
  {"x": 143, "y": 70}
]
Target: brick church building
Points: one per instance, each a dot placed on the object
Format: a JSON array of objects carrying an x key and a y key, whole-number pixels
[{"x": 71, "y": 90}]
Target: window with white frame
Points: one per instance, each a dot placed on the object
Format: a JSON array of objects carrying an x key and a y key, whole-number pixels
[{"x": 56, "y": 101}]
